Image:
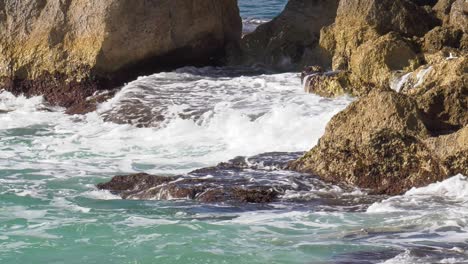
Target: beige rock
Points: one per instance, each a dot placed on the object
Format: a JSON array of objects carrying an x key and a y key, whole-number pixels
[
  {"x": 359, "y": 21},
  {"x": 459, "y": 15},
  {"x": 452, "y": 149},
  {"x": 440, "y": 37},
  {"x": 111, "y": 38},
  {"x": 328, "y": 84},
  {"x": 442, "y": 10},
  {"x": 375, "y": 61},
  {"x": 376, "y": 143},
  {"x": 290, "y": 40}
]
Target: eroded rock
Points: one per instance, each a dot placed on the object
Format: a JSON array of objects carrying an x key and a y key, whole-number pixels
[
  {"x": 259, "y": 179},
  {"x": 376, "y": 143},
  {"x": 290, "y": 40},
  {"x": 66, "y": 50}
]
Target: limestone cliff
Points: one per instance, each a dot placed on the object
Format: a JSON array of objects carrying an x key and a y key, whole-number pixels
[{"x": 112, "y": 40}]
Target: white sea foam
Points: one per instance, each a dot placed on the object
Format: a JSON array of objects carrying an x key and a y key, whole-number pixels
[
  {"x": 398, "y": 83},
  {"x": 101, "y": 195},
  {"x": 455, "y": 187},
  {"x": 238, "y": 115}
]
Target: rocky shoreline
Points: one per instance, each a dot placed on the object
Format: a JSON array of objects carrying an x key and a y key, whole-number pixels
[
  {"x": 404, "y": 60},
  {"x": 68, "y": 51}
]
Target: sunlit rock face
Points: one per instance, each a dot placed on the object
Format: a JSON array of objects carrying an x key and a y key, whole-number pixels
[{"x": 108, "y": 42}]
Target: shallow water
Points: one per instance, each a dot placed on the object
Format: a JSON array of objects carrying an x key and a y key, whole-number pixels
[
  {"x": 172, "y": 123},
  {"x": 50, "y": 211}
]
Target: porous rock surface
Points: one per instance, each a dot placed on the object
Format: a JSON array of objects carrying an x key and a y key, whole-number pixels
[{"x": 75, "y": 47}]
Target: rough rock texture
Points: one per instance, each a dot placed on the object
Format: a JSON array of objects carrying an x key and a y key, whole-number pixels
[
  {"x": 376, "y": 143},
  {"x": 459, "y": 15},
  {"x": 243, "y": 180},
  {"x": 441, "y": 91},
  {"x": 374, "y": 61},
  {"x": 106, "y": 43},
  {"x": 151, "y": 187},
  {"x": 388, "y": 141},
  {"x": 442, "y": 10},
  {"x": 291, "y": 38},
  {"x": 235, "y": 181},
  {"x": 373, "y": 39},
  {"x": 359, "y": 21},
  {"x": 328, "y": 84},
  {"x": 452, "y": 149},
  {"x": 440, "y": 37}
]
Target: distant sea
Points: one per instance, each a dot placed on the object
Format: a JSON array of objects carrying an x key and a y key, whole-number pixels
[
  {"x": 261, "y": 9},
  {"x": 256, "y": 12}
]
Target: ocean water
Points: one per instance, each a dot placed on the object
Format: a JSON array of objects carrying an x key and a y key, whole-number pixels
[
  {"x": 173, "y": 122},
  {"x": 254, "y": 13}
]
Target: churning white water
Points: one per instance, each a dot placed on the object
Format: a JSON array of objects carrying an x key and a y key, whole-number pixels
[{"x": 174, "y": 122}]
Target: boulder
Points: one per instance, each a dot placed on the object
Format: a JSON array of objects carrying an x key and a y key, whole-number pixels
[
  {"x": 440, "y": 89},
  {"x": 452, "y": 149},
  {"x": 81, "y": 45},
  {"x": 441, "y": 37},
  {"x": 359, "y": 21},
  {"x": 442, "y": 10},
  {"x": 376, "y": 143},
  {"x": 290, "y": 40},
  {"x": 259, "y": 179},
  {"x": 328, "y": 84},
  {"x": 375, "y": 61},
  {"x": 459, "y": 15}
]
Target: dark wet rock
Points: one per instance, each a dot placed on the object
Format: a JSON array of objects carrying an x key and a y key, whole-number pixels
[
  {"x": 257, "y": 180},
  {"x": 90, "y": 104},
  {"x": 150, "y": 187},
  {"x": 55, "y": 89}
]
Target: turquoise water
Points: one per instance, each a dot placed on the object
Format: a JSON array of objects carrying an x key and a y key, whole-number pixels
[
  {"x": 261, "y": 9},
  {"x": 51, "y": 211}
]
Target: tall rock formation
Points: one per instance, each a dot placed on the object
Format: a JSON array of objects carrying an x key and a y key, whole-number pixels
[
  {"x": 78, "y": 43},
  {"x": 291, "y": 39}
]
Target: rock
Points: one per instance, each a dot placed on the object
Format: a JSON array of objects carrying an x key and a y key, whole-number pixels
[
  {"x": 376, "y": 143},
  {"x": 442, "y": 10},
  {"x": 459, "y": 15},
  {"x": 329, "y": 84},
  {"x": 401, "y": 16},
  {"x": 375, "y": 61},
  {"x": 254, "y": 180},
  {"x": 445, "y": 108},
  {"x": 310, "y": 70},
  {"x": 366, "y": 20},
  {"x": 452, "y": 149},
  {"x": 440, "y": 89},
  {"x": 53, "y": 47},
  {"x": 440, "y": 37},
  {"x": 290, "y": 40}
]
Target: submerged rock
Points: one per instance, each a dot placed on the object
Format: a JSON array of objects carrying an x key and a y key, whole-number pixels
[
  {"x": 67, "y": 50},
  {"x": 259, "y": 179}
]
